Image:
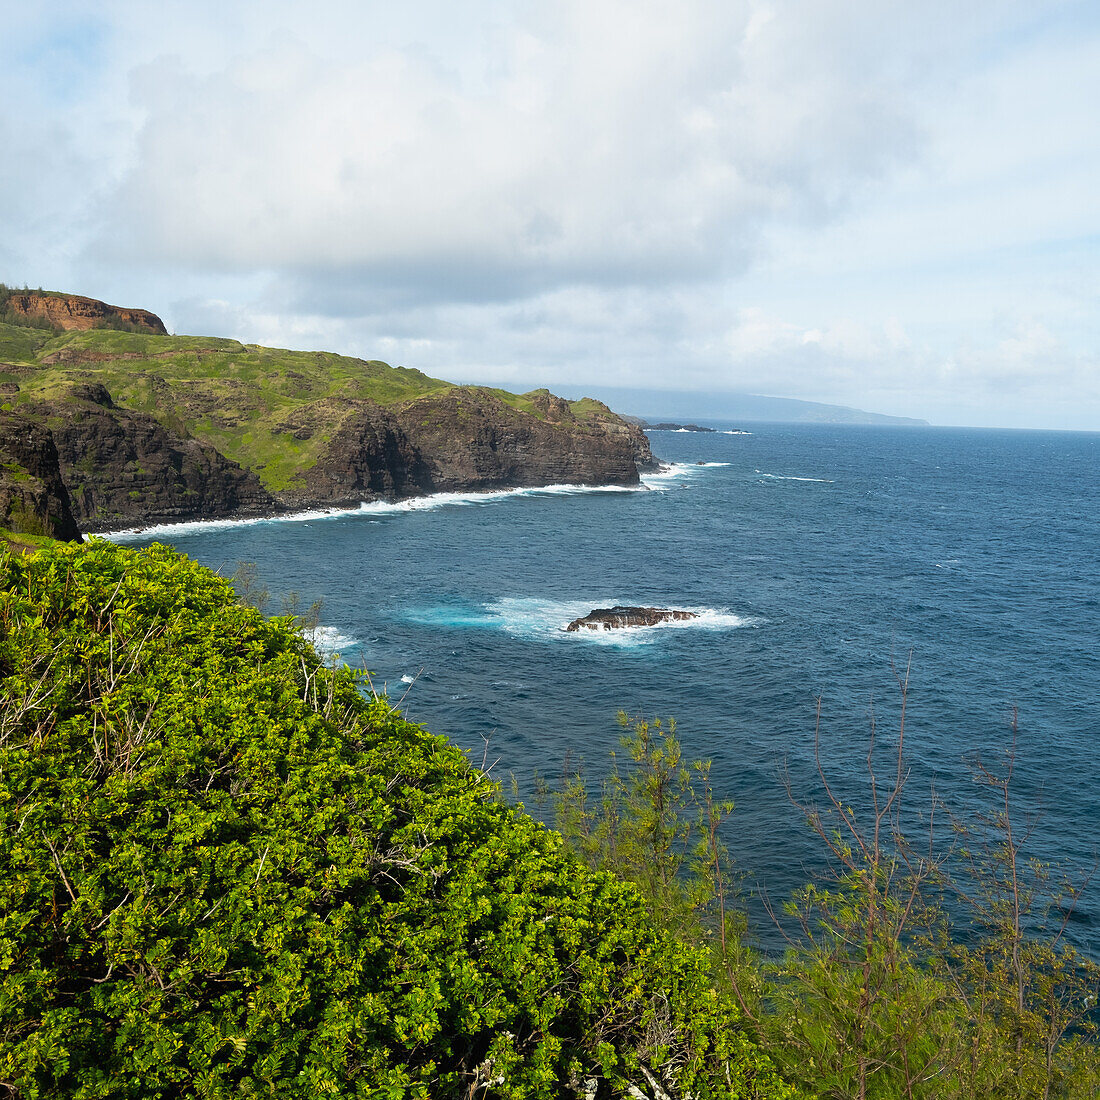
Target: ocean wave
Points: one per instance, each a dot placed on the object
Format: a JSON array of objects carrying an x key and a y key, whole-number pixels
[
  {"x": 537, "y": 619},
  {"x": 205, "y": 526},
  {"x": 489, "y": 496},
  {"x": 675, "y": 471},
  {"x": 330, "y": 641},
  {"x": 368, "y": 508},
  {"x": 791, "y": 477}
]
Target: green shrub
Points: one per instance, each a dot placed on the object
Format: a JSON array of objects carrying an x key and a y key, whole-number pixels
[{"x": 223, "y": 871}]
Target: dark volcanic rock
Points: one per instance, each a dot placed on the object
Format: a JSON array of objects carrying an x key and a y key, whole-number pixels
[
  {"x": 126, "y": 469},
  {"x": 95, "y": 392},
  {"x": 369, "y": 457},
  {"x": 666, "y": 427},
  {"x": 33, "y": 497},
  {"x": 465, "y": 440},
  {"x": 625, "y": 618}
]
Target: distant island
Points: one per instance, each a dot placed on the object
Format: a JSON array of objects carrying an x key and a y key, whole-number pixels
[
  {"x": 672, "y": 427},
  {"x": 108, "y": 422},
  {"x": 664, "y": 406},
  {"x": 667, "y": 426}
]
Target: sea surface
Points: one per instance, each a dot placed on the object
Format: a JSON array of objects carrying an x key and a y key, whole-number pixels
[{"x": 827, "y": 564}]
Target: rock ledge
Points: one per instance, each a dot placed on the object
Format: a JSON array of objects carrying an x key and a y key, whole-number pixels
[{"x": 628, "y": 618}]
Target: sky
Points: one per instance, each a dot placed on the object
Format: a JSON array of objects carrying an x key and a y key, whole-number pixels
[{"x": 892, "y": 206}]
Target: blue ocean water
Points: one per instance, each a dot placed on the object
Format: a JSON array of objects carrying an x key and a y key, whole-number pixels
[{"x": 825, "y": 561}]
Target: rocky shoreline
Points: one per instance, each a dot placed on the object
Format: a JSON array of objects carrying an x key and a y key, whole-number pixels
[{"x": 78, "y": 462}]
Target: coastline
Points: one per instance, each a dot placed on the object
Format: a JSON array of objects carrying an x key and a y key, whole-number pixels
[{"x": 312, "y": 511}]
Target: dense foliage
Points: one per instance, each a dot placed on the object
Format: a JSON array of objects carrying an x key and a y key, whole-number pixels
[
  {"x": 927, "y": 963},
  {"x": 225, "y": 871}
]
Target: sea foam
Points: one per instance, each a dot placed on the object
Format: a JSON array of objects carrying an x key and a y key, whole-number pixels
[
  {"x": 538, "y": 619},
  {"x": 791, "y": 477},
  {"x": 370, "y": 508},
  {"x": 330, "y": 641},
  {"x": 676, "y": 471}
]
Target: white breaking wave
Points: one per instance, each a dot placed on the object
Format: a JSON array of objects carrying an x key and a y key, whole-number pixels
[
  {"x": 659, "y": 479},
  {"x": 368, "y": 508},
  {"x": 489, "y": 496},
  {"x": 791, "y": 477},
  {"x": 538, "y": 619},
  {"x": 730, "y": 431},
  {"x": 329, "y": 641},
  {"x": 675, "y": 471},
  {"x": 202, "y": 526}
]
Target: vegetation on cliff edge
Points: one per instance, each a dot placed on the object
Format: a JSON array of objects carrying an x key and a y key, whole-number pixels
[
  {"x": 929, "y": 962},
  {"x": 224, "y": 870},
  {"x": 270, "y": 410}
]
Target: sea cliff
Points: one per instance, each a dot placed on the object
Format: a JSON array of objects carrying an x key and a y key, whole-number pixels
[{"x": 134, "y": 427}]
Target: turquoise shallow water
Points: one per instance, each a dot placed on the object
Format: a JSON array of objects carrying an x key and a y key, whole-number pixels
[{"x": 823, "y": 560}]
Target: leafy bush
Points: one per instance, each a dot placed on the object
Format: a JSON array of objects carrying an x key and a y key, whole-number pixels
[
  {"x": 887, "y": 989},
  {"x": 223, "y": 871}
]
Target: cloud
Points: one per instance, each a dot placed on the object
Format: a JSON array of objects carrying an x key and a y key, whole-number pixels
[
  {"x": 868, "y": 202},
  {"x": 612, "y": 144}
]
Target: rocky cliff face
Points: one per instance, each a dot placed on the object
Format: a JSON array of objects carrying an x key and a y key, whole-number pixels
[
  {"x": 70, "y": 311},
  {"x": 471, "y": 440},
  {"x": 33, "y": 497},
  {"x": 370, "y": 457},
  {"x": 125, "y": 469},
  {"x": 322, "y": 429},
  {"x": 79, "y": 459}
]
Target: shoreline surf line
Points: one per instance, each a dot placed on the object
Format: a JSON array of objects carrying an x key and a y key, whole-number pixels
[{"x": 428, "y": 502}]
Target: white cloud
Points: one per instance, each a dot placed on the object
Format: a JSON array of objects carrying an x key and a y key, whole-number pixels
[
  {"x": 612, "y": 144},
  {"x": 862, "y": 201}
]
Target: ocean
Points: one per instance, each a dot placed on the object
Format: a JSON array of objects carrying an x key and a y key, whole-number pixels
[{"x": 826, "y": 563}]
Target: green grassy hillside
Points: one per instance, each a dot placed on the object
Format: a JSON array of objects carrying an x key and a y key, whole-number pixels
[{"x": 250, "y": 402}]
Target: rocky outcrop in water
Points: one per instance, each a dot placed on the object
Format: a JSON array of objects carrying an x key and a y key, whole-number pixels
[
  {"x": 33, "y": 497},
  {"x": 671, "y": 427},
  {"x": 71, "y": 311},
  {"x": 126, "y": 469},
  {"x": 628, "y": 618}
]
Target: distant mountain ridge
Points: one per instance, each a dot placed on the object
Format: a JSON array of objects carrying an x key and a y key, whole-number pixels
[{"x": 664, "y": 405}]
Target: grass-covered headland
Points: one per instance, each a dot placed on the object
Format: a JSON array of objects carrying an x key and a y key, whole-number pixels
[{"x": 225, "y": 871}]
